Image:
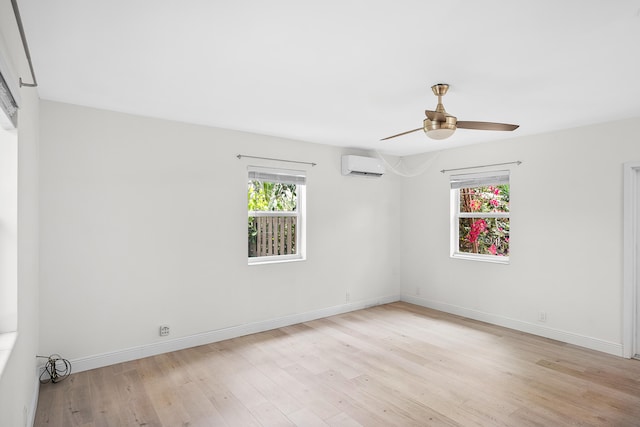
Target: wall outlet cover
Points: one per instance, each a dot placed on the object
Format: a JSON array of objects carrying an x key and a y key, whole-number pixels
[{"x": 164, "y": 330}]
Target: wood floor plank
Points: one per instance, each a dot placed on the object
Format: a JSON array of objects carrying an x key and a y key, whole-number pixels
[
  {"x": 342, "y": 420},
  {"x": 103, "y": 398},
  {"x": 138, "y": 409},
  {"x": 198, "y": 407},
  {"x": 339, "y": 398},
  {"x": 49, "y": 411},
  {"x": 168, "y": 404},
  {"x": 232, "y": 410},
  {"x": 396, "y": 364},
  {"x": 304, "y": 417}
]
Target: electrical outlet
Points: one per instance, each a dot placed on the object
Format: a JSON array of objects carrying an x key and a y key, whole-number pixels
[
  {"x": 347, "y": 297},
  {"x": 418, "y": 290},
  {"x": 164, "y": 330},
  {"x": 542, "y": 316}
]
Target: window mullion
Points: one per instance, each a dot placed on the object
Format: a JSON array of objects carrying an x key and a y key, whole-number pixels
[{"x": 273, "y": 213}]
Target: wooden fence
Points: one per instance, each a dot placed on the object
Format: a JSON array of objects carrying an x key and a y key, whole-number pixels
[{"x": 273, "y": 235}]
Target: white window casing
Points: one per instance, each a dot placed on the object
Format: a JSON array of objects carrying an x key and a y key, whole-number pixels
[
  {"x": 283, "y": 176},
  {"x": 474, "y": 180}
]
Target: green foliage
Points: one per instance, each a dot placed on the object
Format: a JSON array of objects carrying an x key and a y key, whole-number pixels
[{"x": 271, "y": 196}]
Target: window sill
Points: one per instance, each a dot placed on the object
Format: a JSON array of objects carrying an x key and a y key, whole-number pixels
[
  {"x": 266, "y": 260},
  {"x": 482, "y": 258},
  {"x": 7, "y": 341}
]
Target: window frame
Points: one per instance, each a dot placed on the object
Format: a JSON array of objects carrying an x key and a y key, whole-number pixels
[
  {"x": 9, "y": 219},
  {"x": 9, "y": 96},
  {"x": 474, "y": 180},
  {"x": 285, "y": 176}
]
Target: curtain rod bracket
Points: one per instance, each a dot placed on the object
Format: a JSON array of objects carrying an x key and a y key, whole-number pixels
[
  {"x": 517, "y": 163},
  {"x": 239, "y": 156},
  {"x": 27, "y": 84}
]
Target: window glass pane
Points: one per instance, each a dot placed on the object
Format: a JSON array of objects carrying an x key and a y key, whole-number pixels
[
  {"x": 271, "y": 196},
  {"x": 271, "y": 234},
  {"x": 492, "y": 198},
  {"x": 487, "y": 236}
]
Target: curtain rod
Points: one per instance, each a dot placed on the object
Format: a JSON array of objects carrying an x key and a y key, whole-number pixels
[
  {"x": 517, "y": 162},
  {"x": 239, "y": 156},
  {"x": 25, "y": 46}
]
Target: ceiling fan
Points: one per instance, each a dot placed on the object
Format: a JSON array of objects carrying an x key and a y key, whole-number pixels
[{"x": 441, "y": 125}]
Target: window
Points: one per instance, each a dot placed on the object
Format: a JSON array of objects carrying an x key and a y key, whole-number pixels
[
  {"x": 8, "y": 217},
  {"x": 480, "y": 216},
  {"x": 8, "y": 207},
  {"x": 276, "y": 209}
]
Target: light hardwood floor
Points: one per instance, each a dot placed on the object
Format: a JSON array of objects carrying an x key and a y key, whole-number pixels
[{"x": 391, "y": 365}]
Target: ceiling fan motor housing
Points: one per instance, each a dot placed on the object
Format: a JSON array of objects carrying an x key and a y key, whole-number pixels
[{"x": 440, "y": 129}]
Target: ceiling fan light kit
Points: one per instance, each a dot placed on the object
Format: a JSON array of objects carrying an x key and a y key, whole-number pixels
[
  {"x": 440, "y": 130},
  {"x": 441, "y": 125}
]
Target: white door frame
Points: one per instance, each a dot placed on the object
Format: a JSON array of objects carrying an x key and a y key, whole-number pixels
[{"x": 630, "y": 238}]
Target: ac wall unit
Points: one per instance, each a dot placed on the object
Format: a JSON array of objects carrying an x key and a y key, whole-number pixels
[{"x": 362, "y": 166}]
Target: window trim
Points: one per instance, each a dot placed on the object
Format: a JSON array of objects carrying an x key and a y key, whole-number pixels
[
  {"x": 9, "y": 93},
  {"x": 470, "y": 181},
  {"x": 9, "y": 218},
  {"x": 285, "y": 176}
]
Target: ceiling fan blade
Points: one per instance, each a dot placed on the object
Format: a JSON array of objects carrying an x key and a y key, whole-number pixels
[
  {"x": 400, "y": 134},
  {"x": 485, "y": 125},
  {"x": 435, "y": 115}
]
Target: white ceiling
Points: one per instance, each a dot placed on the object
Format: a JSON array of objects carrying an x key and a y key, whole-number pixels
[{"x": 345, "y": 72}]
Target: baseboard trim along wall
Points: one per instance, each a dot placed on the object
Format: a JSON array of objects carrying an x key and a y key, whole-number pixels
[
  {"x": 519, "y": 325},
  {"x": 139, "y": 352},
  {"x": 30, "y": 413},
  {"x": 112, "y": 358}
]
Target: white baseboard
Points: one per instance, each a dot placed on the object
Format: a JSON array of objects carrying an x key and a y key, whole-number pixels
[
  {"x": 125, "y": 355},
  {"x": 139, "y": 352},
  {"x": 519, "y": 325},
  {"x": 33, "y": 405}
]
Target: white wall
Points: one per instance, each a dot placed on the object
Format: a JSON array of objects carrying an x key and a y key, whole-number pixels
[
  {"x": 566, "y": 236},
  {"x": 18, "y": 392},
  {"x": 143, "y": 222}
]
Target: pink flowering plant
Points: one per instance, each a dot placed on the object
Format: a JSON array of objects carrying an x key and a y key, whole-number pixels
[{"x": 488, "y": 236}]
